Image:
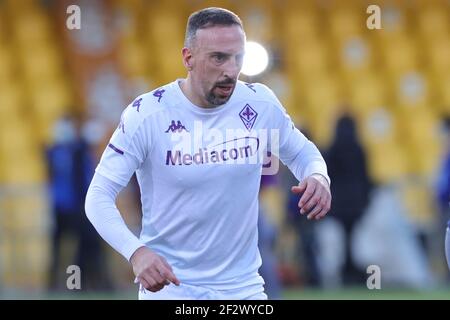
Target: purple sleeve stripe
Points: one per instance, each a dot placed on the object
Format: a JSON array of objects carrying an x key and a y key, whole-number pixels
[{"x": 115, "y": 149}]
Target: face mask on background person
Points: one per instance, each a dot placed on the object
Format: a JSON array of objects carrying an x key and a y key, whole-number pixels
[{"x": 64, "y": 131}]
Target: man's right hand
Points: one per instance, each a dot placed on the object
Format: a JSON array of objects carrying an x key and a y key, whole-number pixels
[{"x": 152, "y": 270}]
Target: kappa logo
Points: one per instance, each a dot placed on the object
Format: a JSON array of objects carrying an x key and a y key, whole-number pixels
[
  {"x": 251, "y": 86},
  {"x": 176, "y": 127}
]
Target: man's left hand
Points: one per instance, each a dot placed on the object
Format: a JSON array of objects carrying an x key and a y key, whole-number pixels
[{"x": 316, "y": 197}]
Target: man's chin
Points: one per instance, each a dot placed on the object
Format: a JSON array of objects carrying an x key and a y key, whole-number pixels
[{"x": 218, "y": 100}]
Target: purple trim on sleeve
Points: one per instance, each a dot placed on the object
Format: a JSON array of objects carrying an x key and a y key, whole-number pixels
[{"x": 115, "y": 148}]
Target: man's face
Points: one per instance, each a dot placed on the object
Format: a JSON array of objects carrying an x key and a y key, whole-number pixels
[{"x": 215, "y": 62}]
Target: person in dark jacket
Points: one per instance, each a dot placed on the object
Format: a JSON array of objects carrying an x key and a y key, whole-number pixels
[
  {"x": 351, "y": 186},
  {"x": 70, "y": 167}
]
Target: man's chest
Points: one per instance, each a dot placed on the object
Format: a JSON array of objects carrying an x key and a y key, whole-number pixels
[{"x": 232, "y": 143}]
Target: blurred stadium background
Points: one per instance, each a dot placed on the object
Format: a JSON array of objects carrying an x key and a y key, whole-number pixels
[{"x": 323, "y": 61}]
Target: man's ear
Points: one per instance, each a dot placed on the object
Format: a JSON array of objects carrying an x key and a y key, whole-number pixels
[{"x": 187, "y": 58}]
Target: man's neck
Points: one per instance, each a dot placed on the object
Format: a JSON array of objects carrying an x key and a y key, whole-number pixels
[{"x": 188, "y": 91}]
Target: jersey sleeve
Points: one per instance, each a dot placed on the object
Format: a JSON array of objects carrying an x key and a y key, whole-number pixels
[
  {"x": 127, "y": 148},
  {"x": 102, "y": 212},
  {"x": 298, "y": 153}
]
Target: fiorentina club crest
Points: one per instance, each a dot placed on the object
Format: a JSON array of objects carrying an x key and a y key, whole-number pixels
[{"x": 248, "y": 116}]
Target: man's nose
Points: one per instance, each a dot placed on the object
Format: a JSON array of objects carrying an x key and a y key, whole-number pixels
[{"x": 232, "y": 69}]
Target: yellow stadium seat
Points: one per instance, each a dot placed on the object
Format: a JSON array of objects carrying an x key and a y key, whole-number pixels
[
  {"x": 305, "y": 5},
  {"x": 321, "y": 134},
  {"x": 42, "y": 64},
  {"x": 355, "y": 53},
  {"x": 171, "y": 66},
  {"x": 165, "y": 58},
  {"x": 439, "y": 55},
  {"x": 45, "y": 102},
  {"x": 51, "y": 99},
  {"x": 323, "y": 99},
  {"x": 387, "y": 162},
  {"x": 400, "y": 56},
  {"x": 299, "y": 26},
  {"x": 16, "y": 140},
  {"x": 24, "y": 171},
  {"x": 130, "y": 19},
  {"x": 32, "y": 28},
  {"x": 132, "y": 6},
  {"x": 366, "y": 94},
  {"x": 6, "y": 65},
  {"x": 386, "y": 154},
  {"x": 420, "y": 126},
  {"x": 9, "y": 261},
  {"x": 6, "y": 211},
  {"x": 379, "y": 127},
  {"x": 38, "y": 253},
  {"x": 30, "y": 211},
  {"x": 18, "y": 7},
  {"x": 417, "y": 195},
  {"x": 394, "y": 23},
  {"x": 355, "y": 60},
  {"x": 256, "y": 14},
  {"x": 33, "y": 253},
  {"x": 345, "y": 24},
  {"x": 322, "y": 92},
  {"x": 24, "y": 167},
  {"x": 411, "y": 90},
  {"x": 11, "y": 102},
  {"x": 164, "y": 29},
  {"x": 444, "y": 94},
  {"x": 4, "y": 35},
  {"x": 20, "y": 154},
  {"x": 420, "y": 133},
  {"x": 425, "y": 159},
  {"x": 433, "y": 22},
  {"x": 133, "y": 57},
  {"x": 191, "y": 6},
  {"x": 310, "y": 59}
]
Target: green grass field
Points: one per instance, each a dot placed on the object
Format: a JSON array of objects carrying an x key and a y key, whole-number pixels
[
  {"x": 288, "y": 294},
  {"x": 365, "y": 294}
]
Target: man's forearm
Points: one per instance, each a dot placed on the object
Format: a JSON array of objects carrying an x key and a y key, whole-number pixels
[
  {"x": 307, "y": 162},
  {"x": 106, "y": 218}
]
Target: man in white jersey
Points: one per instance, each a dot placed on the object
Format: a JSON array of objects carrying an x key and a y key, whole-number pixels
[{"x": 195, "y": 145}]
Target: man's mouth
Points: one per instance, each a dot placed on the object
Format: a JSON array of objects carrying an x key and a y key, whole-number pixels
[{"x": 225, "y": 89}]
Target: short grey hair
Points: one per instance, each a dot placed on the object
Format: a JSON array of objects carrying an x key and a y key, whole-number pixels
[{"x": 207, "y": 18}]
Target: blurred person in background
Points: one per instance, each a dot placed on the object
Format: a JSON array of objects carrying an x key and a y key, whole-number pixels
[
  {"x": 307, "y": 246},
  {"x": 70, "y": 169},
  {"x": 443, "y": 188},
  {"x": 267, "y": 236},
  {"x": 351, "y": 186}
]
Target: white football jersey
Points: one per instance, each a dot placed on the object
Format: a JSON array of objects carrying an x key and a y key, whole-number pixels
[{"x": 199, "y": 172}]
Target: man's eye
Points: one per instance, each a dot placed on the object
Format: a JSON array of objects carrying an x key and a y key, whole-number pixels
[{"x": 219, "y": 58}]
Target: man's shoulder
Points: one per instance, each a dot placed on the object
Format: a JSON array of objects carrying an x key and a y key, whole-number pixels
[
  {"x": 152, "y": 101},
  {"x": 257, "y": 91},
  {"x": 144, "y": 107}
]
